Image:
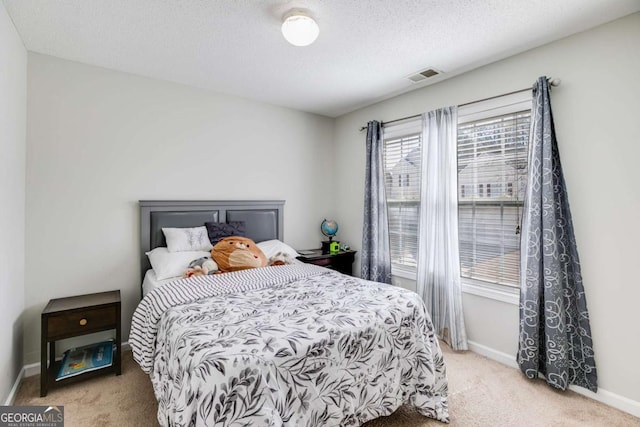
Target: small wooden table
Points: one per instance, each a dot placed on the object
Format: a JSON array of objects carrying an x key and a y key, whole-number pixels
[
  {"x": 342, "y": 261},
  {"x": 72, "y": 317}
]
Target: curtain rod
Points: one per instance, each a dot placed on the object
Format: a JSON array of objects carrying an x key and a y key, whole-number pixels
[{"x": 552, "y": 82}]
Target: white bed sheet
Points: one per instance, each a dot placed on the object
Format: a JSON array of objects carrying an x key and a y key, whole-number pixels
[{"x": 151, "y": 282}]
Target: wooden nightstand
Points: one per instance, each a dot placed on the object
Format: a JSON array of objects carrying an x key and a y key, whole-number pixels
[
  {"x": 72, "y": 317},
  {"x": 342, "y": 261}
]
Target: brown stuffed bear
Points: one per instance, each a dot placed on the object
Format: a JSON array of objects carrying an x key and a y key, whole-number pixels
[{"x": 237, "y": 253}]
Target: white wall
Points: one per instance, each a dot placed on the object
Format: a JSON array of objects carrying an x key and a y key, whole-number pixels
[
  {"x": 99, "y": 140},
  {"x": 596, "y": 114},
  {"x": 13, "y": 113}
]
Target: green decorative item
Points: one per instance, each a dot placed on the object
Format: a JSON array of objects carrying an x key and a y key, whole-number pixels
[{"x": 334, "y": 247}]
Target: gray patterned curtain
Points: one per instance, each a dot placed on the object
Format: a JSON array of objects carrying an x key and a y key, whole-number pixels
[
  {"x": 555, "y": 336},
  {"x": 375, "y": 257}
]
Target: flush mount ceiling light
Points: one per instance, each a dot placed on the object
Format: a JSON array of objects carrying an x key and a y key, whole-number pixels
[{"x": 299, "y": 29}]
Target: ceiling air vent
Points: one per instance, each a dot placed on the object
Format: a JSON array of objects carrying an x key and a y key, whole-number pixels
[{"x": 423, "y": 75}]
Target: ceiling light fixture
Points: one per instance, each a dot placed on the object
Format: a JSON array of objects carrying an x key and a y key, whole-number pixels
[{"x": 299, "y": 29}]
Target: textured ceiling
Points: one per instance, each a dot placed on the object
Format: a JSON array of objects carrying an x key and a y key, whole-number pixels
[{"x": 363, "y": 54}]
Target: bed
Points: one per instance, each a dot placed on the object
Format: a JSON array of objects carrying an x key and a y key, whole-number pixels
[{"x": 293, "y": 345}]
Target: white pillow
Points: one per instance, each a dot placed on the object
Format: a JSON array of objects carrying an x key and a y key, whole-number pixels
[
  {"x": 272, "y": 247},
  {"x": 172, "y": 264},
  {"x": 187, "y": 239}
]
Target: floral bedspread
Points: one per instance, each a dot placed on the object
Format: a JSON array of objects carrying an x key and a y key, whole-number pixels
[{"x": 293, "y": 345}]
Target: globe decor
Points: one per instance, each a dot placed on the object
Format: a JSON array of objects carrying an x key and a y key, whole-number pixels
[{"x": 329, "y": 228}]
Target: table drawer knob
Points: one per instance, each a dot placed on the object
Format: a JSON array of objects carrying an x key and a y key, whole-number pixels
[{"x": 83, "y": 322}]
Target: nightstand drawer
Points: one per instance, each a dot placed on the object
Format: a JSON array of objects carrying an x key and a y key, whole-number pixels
[
  {"x": 341, "y": 261},
  {"x": 80, "y": 322},
  {"x": 325, "y": 262}
]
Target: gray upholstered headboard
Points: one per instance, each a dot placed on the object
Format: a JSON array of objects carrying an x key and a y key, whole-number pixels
[{"x": 263, "y": 219}]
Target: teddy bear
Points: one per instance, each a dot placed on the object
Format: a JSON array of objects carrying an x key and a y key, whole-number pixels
[
  {"x": 201, "y": 267},
  {"x": 237, "y": 253}
]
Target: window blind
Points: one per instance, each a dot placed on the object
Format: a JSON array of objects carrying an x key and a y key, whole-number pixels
[
  {"x": 492, "y": 173},
  {"x": 402, "y": 156}
]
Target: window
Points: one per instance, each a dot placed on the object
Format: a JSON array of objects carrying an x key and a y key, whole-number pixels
[
  {"x": 401, "y": 159},
  {"x": 492, "y": 157}
]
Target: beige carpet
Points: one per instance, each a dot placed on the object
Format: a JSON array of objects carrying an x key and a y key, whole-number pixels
[{"x": 482, "y": 393}]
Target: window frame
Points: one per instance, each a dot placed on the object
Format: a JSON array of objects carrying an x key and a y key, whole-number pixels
[
  {"x": 408, "y": 128},
  {"x": 498, "y": 106},
  {"x": 494, "y": 107}
]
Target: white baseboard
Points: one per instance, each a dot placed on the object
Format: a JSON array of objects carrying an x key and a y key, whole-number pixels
[
  {"x": 608, "y": 398},
  {"x": 34, "y": 369},
  {"x": 498, "y": 356},
  {"x": 31, "y": 370},
  {"x": 14, "y": 390}
]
